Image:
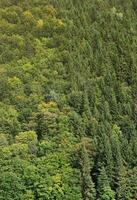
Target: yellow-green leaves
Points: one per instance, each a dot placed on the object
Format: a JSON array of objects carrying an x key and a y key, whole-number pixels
[
  {"x": 26, "y": 137},
  {"x": 40, "y": 23},
  {"x": 8, "y": 119},
  {"x": 28, "y": 15},
  {"x": 3, "y": 140}
]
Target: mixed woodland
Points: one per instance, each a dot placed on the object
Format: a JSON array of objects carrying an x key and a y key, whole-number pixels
[{"x": 68, "y": 99}]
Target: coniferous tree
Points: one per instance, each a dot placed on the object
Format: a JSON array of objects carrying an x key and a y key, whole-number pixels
[
  {"x": 88, "y": 188},
  {"x": 104, "y": 189}
]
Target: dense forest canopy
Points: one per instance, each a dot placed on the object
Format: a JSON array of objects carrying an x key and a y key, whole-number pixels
[{"x": 68, "y": 99}]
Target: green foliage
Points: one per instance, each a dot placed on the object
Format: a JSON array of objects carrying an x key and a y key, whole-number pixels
[
  {"x": 105, "y": 191},
  {"x": 68, "y": 111},
  {"x": 9, "y": 122}
]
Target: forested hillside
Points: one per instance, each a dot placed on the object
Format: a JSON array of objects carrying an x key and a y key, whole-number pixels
[{"x": 68, "y": 99}]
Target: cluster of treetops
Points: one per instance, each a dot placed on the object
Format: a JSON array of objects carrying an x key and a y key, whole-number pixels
[{"x": 68, "y": 100}]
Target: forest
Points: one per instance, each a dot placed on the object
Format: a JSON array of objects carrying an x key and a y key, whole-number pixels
[{"x": 68, "y": 99}]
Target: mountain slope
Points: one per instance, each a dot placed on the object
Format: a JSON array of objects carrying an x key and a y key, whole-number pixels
[{"x": 68, "y": 99}]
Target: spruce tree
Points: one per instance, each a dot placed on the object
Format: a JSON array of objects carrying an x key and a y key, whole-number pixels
[{"x": 88, "y": 188}]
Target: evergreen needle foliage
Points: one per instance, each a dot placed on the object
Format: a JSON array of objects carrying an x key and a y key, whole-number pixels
[{"x": 68, "y": 99}]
